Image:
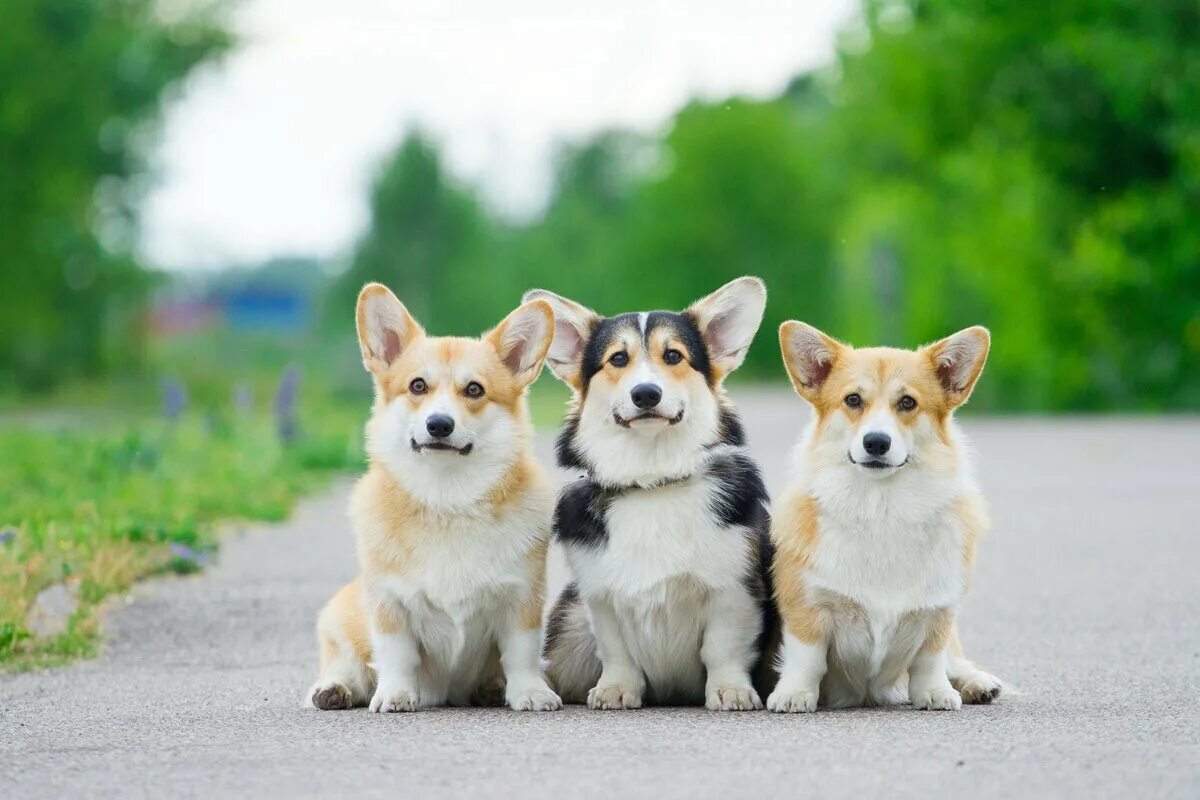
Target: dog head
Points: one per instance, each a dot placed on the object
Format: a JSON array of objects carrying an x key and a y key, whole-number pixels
[
  {"x": 449, "y": 417},
  {"x": 647, "y": 386},
  {"x": 880, "y": 410}
]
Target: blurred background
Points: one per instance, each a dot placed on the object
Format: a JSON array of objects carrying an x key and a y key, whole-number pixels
[{"x": 192, "y": 193}]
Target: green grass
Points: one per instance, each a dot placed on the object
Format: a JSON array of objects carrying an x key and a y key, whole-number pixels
[{"x": 101, "y": 506}]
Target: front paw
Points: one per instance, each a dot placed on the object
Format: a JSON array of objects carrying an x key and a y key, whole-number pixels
[
  {"x": 732, "y": 698},
  {"x": 799, "y": 701},
  {"x": 389, "y": 700},
  {"x": 538, "y": 697},
  {"x": 935, "y": 698},
  {"x": 978, "y": 688},
  {"x": 614, "y": 697}
]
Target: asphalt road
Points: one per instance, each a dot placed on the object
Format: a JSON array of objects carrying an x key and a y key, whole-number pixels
[{"x": 1086, "y": 602}]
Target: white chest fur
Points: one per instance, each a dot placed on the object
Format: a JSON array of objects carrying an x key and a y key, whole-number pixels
[{"x": 659, "y": 537}]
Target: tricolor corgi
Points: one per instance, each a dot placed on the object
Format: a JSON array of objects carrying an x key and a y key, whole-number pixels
[
  {"x": 666, "y": 531},
  {"x": 875, "y": 537},
  {"x": 452, "y": 522}
]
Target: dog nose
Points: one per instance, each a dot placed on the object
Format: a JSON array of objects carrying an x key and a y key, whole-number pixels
[
  {"x": 877, "y": 443},
  {"x": 646, "y": 395},
  {"x": 440, "y": 426}
]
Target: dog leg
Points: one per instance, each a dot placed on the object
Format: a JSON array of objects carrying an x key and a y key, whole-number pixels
[
  {"x": 520, "y": 657},
  {"x": 975, "y": 685},
  {"x": 397, "y": 659},
  {"x": 621, "y": 681},
  {"x": 730, "y": 636},
  {"x": 928, "y": 686},
  {"x": 803, "y": 665}
]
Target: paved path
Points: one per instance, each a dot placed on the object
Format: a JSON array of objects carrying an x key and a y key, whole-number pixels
[{"x": 1087, "y": 601}]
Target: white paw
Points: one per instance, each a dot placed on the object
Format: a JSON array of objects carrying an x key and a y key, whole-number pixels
[
  {"x": 979, "y": 688},
  {"x": 732, "y": 698},
  {"x": 388, "y": 700},
  {"x": 936, "y": 698},
  {"x": 800, "y": 701},
  {"x": 534, "y": 698},
  {"x": 614, "y": 697},
  {"x": 330, "y": 696}
]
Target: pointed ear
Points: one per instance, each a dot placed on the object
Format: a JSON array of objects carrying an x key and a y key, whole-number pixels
[
  {"x": 728, "y": 319},
  {"x": 523, "y": 338},
  {"x": 959, "y": 360},
  {"x": 385, "y": 328},
  {"x": 809, "y": 356},
  {"x": 573, "y": 325}
]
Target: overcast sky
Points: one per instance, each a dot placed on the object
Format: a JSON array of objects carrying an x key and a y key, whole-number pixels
[{"x": 272, "y": 151}]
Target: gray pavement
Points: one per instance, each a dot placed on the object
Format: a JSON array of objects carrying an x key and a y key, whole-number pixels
[{"x": 1086, "y": 602}]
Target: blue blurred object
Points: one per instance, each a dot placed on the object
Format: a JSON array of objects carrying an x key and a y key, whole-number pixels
[
  {"x": 258, "y": 309},
  {"x": 174, "y": 397}
]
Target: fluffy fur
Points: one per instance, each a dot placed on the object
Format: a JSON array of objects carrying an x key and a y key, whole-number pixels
[
  {"x": 666, "y": 529},
  {"x": 452, "y": 522},
  {"x": 875, "y": 537}
]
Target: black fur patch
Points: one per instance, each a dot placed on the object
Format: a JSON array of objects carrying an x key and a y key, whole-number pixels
[
  {"x": 579, "y": 515},
  {"x": 729, "y": 427},
  {"x": 603, "y": 334},
  {"x": 558, "y": 615},
  {"x": 683, "y": 327},
  {"x": 564, "y": 447},
  {"x": 739, "y": 496}
]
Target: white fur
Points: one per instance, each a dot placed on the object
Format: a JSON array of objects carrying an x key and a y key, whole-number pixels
[
  {"x": 464, "y": 583},
  {"x": 444, "y": 479},
  {"x": 666, "y": 601},
  {"x": 893, "y": 545}
]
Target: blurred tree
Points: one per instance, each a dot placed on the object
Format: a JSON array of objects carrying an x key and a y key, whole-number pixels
[
  {"x": 425, "y": 242},
  {"x": 81, "y": 84}
]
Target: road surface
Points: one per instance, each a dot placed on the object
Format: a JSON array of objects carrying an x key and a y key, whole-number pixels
[{"x": 1087, "y": 602}]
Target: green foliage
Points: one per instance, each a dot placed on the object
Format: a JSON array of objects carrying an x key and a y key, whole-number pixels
[
  {"x": 82, "y": 85},
  {"x": 99, "y": 505},
  {"x": 1031, "y": 167}
]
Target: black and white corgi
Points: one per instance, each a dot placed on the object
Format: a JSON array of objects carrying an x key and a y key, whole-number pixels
[{"x": 667, "y": 530}]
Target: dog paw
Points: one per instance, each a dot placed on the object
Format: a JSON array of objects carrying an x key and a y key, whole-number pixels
[
  {"x": 797, "y": 702},
  {"x": 614, "y": 697},
  {"x": 331, "y": 696},
  {"x": 936, "y": 698},
  {"x": 732, "y": 698},
  {"x": 389, "y": 700},
  {"x": 979, "y": 688},
  {"x": 534, "y": 698}
]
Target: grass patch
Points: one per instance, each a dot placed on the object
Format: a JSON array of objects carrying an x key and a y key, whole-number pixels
[{"x": 97, "y": 508}]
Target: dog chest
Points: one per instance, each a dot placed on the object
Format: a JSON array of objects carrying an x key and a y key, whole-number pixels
[{"x": 655, "y": 537}]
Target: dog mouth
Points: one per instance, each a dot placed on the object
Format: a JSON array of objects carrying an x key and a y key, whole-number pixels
[
  {"x": 626, "y": 422},
  {"x": 419, "y": 446},
  {"x": 875, "y": 463}
]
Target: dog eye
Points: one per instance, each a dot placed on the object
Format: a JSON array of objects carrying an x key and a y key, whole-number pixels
[
  {"x": 907, "y": 403},
  {"x": 619, "y": 359},
  {"x": 854, "y": 400},
  {"x": 672, "y": 356},
  {"x": 418, "y": 386},
  {"x": 473, "y": 390}
]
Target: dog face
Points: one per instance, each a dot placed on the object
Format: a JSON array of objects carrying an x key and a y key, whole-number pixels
[
  {"x": 449, "y": 416},
  {"x": 647, "y": 385},
  {"x": 880, "y": 410}
]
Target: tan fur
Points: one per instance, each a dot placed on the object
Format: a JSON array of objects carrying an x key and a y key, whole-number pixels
[
  {"x": 939, "y": 377},
  {"x": 391, "y": 525}
]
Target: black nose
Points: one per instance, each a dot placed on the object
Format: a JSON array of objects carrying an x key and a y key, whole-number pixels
[
  {"x": 877, "y": 443},
  {"x": 646, "y": 395},
  {"x": 439, "y": 426}
]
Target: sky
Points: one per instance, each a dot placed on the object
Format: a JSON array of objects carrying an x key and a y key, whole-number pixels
[{"x": 271, "y": 152}]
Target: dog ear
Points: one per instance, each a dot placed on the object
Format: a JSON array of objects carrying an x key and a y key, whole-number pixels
[
  {"x": 523, "y": 339},
  {"x": 809, "y": 356},
  {"x": 728, "y": 319},
  {"x": 958, "y": 361},
  {"x": 385, "y": 328},
  {"x": 573, "y": 325}
]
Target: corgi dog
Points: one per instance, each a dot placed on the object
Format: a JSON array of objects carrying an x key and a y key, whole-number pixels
[
  {"x": 666, "y": 531},
  {"x": 875, "y": 537},
  {"x": 452, "y": 522}
]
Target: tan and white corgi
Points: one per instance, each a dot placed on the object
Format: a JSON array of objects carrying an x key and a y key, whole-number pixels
[
  {"x": 875, "y": 537},
  {"x": 452, "y": 522}
]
